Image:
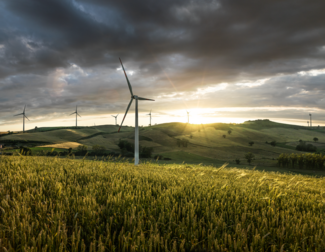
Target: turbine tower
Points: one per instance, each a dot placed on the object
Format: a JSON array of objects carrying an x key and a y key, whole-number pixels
[
  {"x": 310, "y": 120},
  {"x": 136, "y": 133},
  {"x": 23, "y": 118},
  {"x": 150, "y": 117},
  {"x": 188, "y": 117},
  {"x": 76, "y": 112},
  {"x": 308, "y": 123},
  {"x": 115, "y": 119}
]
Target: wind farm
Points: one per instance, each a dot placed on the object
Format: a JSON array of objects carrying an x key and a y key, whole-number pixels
[{"x": 212, "y": 153}]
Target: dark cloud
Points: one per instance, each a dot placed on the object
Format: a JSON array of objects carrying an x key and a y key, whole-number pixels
[{"x": 60, "y": 52}]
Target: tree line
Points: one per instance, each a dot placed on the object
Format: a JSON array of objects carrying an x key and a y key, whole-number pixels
[{"x": 302, "y": 161}]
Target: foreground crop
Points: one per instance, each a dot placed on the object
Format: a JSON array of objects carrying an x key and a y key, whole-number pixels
[{"x": 50, "y": 204}]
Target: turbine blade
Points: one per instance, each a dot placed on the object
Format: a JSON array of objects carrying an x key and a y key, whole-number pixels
[
  {"x": 125, "y": 114},
  {"x": 113, "y": 116},
  {"x": 24, "y": 108},
  {"x": 19, "y": 114},
  {"x": 26, "y": 117},
  {"x": 73, "y": 113},
  {"x": 145, "y": 99},
  {"x": 78, "y": 115},
  {"x": 130, "y": 87}
]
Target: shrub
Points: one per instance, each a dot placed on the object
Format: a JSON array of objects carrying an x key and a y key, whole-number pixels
[
  {"x": 237, "y": 161},
  {"x": 315, "y": 139},
  {"x": 182, "y": 142},
  {"x": 25, "y": 151},
  {"x": 273, "y": 143},
  {"x": 229, "y": 132},
  {"x": 224, "y": 136},
  {"x": 124, "y": 144},
  {"x": 251, "y": 143},
  {"x": 145, "y": 152},
  {"x": 249, "y": 157},
  {"x": 157, "y": 157},
  {"x": 82, "y": 148},
  {"x": 98, "y": 148},
  {"x": 306, "y": 147},
  {"x": 191, "y": 136}
]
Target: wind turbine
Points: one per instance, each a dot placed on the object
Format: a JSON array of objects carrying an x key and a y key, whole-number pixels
[
  {"x": 115, "y": 119},
  {"x": 136, "y": 133},
  {"x": 23, "y": 118},
  {"x": 310, "y": 120},
  {"x": 188, "y": 117},
  {"x": 308, "y": 123},
  {"x": 150, "y": 117},
  {"x": 76, "y": 112}
]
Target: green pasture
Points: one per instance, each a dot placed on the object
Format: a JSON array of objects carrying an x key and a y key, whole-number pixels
[{"x": 207, "y": 143}]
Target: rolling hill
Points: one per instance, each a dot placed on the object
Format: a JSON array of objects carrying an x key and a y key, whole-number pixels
[{"x": 208, "y": 142}]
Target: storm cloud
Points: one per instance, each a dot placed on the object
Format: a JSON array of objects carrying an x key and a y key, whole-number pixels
[{"x": 58, "y": 53}]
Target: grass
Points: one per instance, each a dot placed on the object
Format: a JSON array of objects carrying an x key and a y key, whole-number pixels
[
  {"x": 78, "y": 205},
  {"x": 205, "y": 141}
]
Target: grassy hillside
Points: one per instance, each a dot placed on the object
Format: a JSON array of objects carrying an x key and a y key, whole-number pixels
[
  {"x": 51, "y": 204},
  {"x": 209, "y": 141}
]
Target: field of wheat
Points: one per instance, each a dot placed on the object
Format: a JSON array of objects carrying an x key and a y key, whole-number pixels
[{"x": 53, "y": 204}]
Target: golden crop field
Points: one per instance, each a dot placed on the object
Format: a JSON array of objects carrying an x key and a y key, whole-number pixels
[{"x": 53, "y": 204}]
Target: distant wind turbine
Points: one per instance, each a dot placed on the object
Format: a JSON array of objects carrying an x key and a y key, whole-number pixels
[
  {"x": 150, "y": 117},
  {"x": 76, "y": 112},
  {"x": 308, "y": 123},
  {"x": 188, "y": 117},
  {"x": 310, "y": 120},
  {"x": 23, "y": 118},
  {"x": 115, "y": 118},
  {"x": 136, "y": 133}
]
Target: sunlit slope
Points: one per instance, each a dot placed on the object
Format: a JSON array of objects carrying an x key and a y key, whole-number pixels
[
  {"x": 217, "y": 141},
  {"x": 60, "y": 137}
]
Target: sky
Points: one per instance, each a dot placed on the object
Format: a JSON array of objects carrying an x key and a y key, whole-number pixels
[{"x": 221, "y": 60}]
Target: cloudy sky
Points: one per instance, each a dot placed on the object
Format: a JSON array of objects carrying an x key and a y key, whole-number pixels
[{"x": 222, "y": 60}]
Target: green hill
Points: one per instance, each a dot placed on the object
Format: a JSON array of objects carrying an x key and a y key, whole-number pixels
[{"x": 217, "y": 142}]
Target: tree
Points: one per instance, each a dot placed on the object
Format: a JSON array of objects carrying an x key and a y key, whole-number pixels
[
  {"x": 126, "y": 146},
  {"x": 237, "y": 161},
  {"x": 315, "y": 139},
  {"x": 224, "y": 136},
  {"x": 99, "y": 148},
  {"x": 145, "y": 152},
  {"x": 229, "y": 132},
  {"x": 249, "y": 157},
  {"x": 82, "y": 148},
  {"x": 273, "y": 143},
  {"x": 251, "y": 143}
]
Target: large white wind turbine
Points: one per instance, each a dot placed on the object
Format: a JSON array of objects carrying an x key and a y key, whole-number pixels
[
  {"x": 76, "y": 112},
  {"x": 150, "y": 117},
  {"x": 23, "y": 118},
  {"x": 136, "y": 133},
  {"x": 115, "y": 119}
]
